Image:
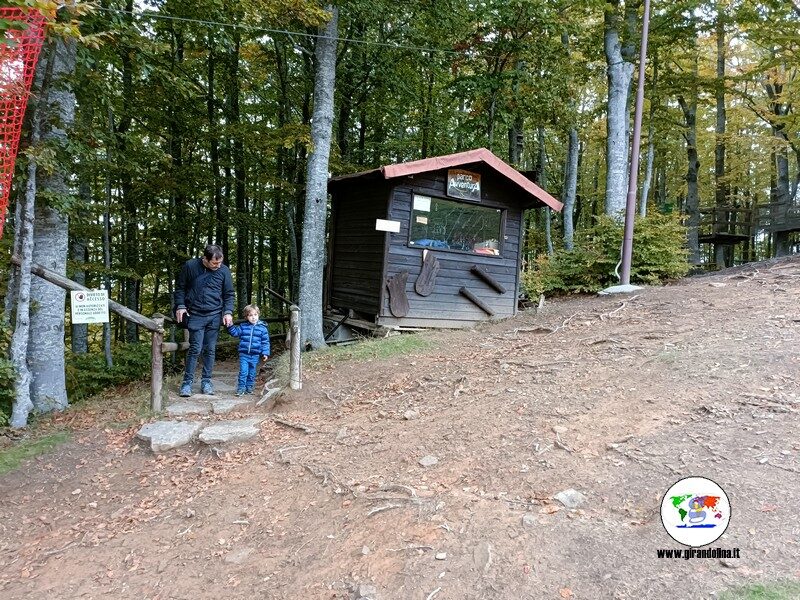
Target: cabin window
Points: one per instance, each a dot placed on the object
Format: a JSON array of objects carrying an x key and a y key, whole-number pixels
[{"x": 446, "y": 225}]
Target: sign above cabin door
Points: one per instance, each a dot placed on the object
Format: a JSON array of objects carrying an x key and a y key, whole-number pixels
[{"x": 464, "y": 184}]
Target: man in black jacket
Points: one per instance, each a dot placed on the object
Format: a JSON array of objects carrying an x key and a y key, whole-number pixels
[{"x": 203, "y": 296}]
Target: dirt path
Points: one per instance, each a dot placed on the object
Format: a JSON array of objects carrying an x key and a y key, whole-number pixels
[{"x": 615, "y": 398}]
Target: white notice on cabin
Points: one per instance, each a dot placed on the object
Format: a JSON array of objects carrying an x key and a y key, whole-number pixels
[
  {"x": 89, "y": 306},
  {"x": 422, "y": 203},
  {"x": 384, "y": 225}
]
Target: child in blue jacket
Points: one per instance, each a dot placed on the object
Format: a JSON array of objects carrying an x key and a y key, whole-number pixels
[{"x": 253, "y": 343}]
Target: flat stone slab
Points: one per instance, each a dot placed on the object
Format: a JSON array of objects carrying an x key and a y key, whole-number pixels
[
  {"x": 188, "y": 407},
  {"x": 230, "y": 431},
  {"x": 224, "y": 406},
  {"x": 223, "y": 387},
  {"x": 166, "y": 435}
]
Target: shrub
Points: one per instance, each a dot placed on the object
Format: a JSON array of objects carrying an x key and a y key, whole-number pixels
[
  {"x": 87, "y": 374},
  {"x": 658, "y": 255}
]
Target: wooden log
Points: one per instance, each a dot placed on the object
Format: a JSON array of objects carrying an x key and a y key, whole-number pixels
[
  {"x": 295, "y": 366},
  {"x": 427, "y": 275},
  {"x": 493, "y": 283},
  {"x": 476, "y": 301},
  {"x": 398, "y": 301},
  {"x": 68, "y": 284},
  {"x": 157, "y": 369},
  {"x": 278, "y": 296},
  {"x": 174, "y": 346}
]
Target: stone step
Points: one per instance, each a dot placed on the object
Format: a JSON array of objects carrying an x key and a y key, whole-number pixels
[
  {"x": 224, "y": 406},
  {"x": 225, "y": 432},
  {"x": 188, "y": 407},
  {"x": 166, "y": 435}
]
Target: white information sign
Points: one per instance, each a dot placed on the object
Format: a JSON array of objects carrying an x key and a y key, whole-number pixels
[
  {"x": 89, "y": 306},
  {"x": 422, "y": 203},
  {"x": 384, "y": 225}
]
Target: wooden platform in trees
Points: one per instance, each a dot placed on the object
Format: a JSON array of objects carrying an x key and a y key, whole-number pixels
[
  {"x": 779, "y": 217},
  {"x": 726, "y": 225}
]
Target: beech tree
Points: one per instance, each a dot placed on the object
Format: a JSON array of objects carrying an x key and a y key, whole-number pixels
[{"x": 312, "y": 263}]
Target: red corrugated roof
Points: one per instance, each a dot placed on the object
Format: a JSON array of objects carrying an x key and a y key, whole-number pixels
[{"x": 462, "y": 158}]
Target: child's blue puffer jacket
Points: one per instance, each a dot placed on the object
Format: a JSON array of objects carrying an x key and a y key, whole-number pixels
[{"x": 253, "y": 339}]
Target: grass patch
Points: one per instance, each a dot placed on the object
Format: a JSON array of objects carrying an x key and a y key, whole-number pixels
[
  {"x": 782, "y": 590},
  {"x": 12, "y": 457},
  {"x": 368, "y": 349}
]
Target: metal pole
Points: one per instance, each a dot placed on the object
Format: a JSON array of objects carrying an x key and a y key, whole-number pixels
[{"x": 633, "y": 179}]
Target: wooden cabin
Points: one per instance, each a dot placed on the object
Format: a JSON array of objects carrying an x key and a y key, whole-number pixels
[{"x": 430, "y": 243}]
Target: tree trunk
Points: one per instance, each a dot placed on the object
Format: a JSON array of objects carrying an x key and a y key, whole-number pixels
[
  {"x": 689, "y": 109},
  {"x": 80, "y": 332},
  {"x": 648, "y": 172},
  {"x": 619, "y": 73},
  {"x": 46, "y": 354},
  {"x": 107, "y": 237},
  {"x": 651, "y": 145},
  {"x": 130, "y": 251},
  {"x": 23, "y": 244},
  {"x": 220, "y": 210},
  {"x": 541, "y": 169},
  {"x": 516, "y": 137},
  {"x": 312, "y": 264},
  {"x": 570, "y": 188},
  {"x": 721, "y": 186},
  {"x": 79, "y": 246},
  {"x": 782, "y": 187},
  {"x": 13, "y": 274},
  {"x": 240, "y": 174}
]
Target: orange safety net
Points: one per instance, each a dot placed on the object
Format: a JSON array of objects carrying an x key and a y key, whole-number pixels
[{"x": 19, "y": 50}]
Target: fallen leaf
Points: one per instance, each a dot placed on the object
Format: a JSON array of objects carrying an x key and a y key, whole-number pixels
[{"x": 565, "y": 593}]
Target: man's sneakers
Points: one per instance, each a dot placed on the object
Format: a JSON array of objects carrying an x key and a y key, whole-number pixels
[
  {"x": 206, "y": 388},
  {"x": 186, "y": 390},
  {"x": 240, "y": 392}
]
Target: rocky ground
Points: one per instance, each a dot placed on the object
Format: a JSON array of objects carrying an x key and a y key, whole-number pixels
[{"x": 434, "y": 474}]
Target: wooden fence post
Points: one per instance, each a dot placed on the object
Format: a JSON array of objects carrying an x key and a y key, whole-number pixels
[
  {"x": 157, "y": 374},
  {"x": 295, "y": 366}
]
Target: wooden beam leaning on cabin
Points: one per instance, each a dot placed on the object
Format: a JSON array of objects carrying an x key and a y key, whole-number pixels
[
  {"x": 491, "y": 281},
  {"x": 476, "y": 301}
]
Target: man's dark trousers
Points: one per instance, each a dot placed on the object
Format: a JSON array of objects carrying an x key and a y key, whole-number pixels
[{"x": 203, "y": 334}]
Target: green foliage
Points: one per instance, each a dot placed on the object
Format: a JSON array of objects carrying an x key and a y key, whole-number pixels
[
  {"x": 6, "y": 374},
  {"x": 369, "y": 349},
  {"x": 12, "y": 457},
  {"x": 87, "y": 374},
  {"x": 785, "y": 590},
  {"x": 6, "y": 389},
  {"x": 658, "y": 255}
]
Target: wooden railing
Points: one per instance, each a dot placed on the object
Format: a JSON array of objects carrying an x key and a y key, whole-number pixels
[
  {"x": 156, "y": 327},
  {"x": 726, "y": 221},
  {"x": 779, "y": 216}
]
